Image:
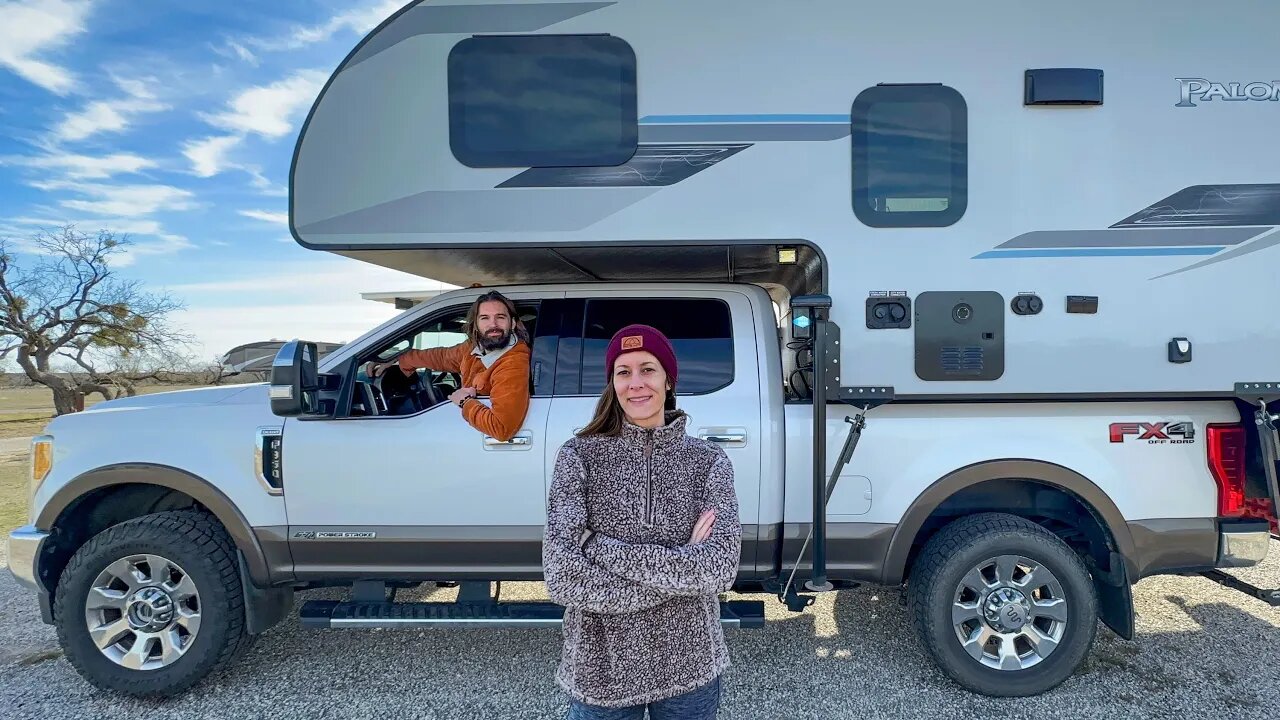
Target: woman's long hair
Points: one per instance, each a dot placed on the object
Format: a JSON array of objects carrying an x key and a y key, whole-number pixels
[
  {"x": 610, "y": 417},
  {"x": 472, "y": 325}
]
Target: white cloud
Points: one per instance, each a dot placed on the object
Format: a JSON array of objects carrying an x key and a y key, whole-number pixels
[
  {"x": 268, "y": 110},
  {"x": 280, "y": 218},
  {"x": 156, "y": 240},
  {"x": 32, "y": 28},
  {"x": 314, "y": 300},
  {"x": 359, "y": 21},
  {"x": 123, "y": 201},
  {"x": 235, "y": 50},
  {"x": 83, "y": 167},
  {"x": 109, "y": 115},
  {"x": 208, "y": 156}
]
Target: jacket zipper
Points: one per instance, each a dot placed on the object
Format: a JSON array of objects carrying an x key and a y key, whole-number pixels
[{"x": 648, "y": 464}]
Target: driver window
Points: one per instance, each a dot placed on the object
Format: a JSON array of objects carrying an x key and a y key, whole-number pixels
[
  {"x": 397, "y": 396},
  {"x": 444, "y": 332}
]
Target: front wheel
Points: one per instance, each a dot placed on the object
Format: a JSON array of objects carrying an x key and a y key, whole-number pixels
[
  {"x": 1004, "y": 606},
  {"x": 152, "y": 606}
]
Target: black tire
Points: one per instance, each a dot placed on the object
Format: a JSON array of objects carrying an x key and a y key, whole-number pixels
[
  {"x": 960, "y": 547},
  {"x": 196, "y": 542}
]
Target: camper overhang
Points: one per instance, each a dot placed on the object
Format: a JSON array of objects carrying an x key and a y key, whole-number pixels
[{"x": 797, "y": 266}]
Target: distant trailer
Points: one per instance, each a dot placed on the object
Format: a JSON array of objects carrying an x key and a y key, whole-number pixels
[{"x": 256, "y": 357}]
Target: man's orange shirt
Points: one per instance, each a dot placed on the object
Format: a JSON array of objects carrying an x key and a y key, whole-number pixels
[{"x": 506, "y": 384}]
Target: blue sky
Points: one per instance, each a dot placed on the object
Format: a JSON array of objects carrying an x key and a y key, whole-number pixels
[{"x": 174, "y": 123}]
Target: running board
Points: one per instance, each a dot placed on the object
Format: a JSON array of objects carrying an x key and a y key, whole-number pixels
[
  {"x": 1270, "y": 597},
  {"x": 334, "y": 614}
]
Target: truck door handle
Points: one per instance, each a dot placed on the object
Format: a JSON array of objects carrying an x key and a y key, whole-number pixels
[
  {"x": 523, "y": 439},
  {"x": 723, "y": 437}
]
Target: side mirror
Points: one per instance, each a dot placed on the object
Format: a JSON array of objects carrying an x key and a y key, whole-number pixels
[{"x": 295, "y": 382}]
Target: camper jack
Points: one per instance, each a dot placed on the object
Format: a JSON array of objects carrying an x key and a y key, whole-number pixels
[{"x": 810, "y": 312}]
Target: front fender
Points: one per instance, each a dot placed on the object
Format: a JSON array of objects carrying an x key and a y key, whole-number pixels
[{"x": 258, "y": 560}]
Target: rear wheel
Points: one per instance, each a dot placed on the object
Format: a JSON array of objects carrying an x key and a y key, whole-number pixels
[
  {"x": 1004, "y": 606},
  {"x": 152, "y": 606}
]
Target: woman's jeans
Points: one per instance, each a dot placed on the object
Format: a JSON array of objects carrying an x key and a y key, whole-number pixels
[{"x": 699, "y": 704}]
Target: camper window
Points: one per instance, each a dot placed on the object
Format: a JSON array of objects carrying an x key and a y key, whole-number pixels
[
  {"x": 909, "y": 156},
  {"x": 700, "y": 329},
  {"x": 542, "y": 100}
]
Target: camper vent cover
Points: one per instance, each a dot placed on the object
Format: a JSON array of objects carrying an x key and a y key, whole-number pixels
[
  {"x": 957, "y": 359},
  {"x": 959, "y": 335},
  {"x": 1063, "y": 86}
]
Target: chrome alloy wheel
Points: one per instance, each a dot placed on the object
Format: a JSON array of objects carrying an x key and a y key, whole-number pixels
[
  {"x": 1009, "y": 612},
  {"x": 143, "y": 612}
]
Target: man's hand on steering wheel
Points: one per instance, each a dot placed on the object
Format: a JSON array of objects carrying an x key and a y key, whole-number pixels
[
  {"x": 462, "y": 393},
  {"x": 373, "y": 369}
]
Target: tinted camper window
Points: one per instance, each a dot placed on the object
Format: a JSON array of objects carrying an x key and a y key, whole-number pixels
[
  {"x": 910, "y": 156},
  {"x": 542, "y": 100},
  {"x": 699, "y": 328}
]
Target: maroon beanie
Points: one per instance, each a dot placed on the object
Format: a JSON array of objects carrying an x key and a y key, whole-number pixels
[{"x": 642, "y": 337}]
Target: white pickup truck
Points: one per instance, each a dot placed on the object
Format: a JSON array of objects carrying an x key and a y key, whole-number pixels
[
  {"x": 977, "y": 232},
  {"x": 168, "y": 530}
]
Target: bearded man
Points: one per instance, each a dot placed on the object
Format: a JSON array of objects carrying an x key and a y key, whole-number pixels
[{"x": 493, "y": 361}]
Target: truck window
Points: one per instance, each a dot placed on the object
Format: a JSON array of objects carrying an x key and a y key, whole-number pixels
[
  {"x": 542, "y": 100},
  {"x": 910, "y": 156},
  {"x": 700, "y": 329}
]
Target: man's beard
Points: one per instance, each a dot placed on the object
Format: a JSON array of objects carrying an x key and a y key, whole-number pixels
[{"x": 495, "y": 342}]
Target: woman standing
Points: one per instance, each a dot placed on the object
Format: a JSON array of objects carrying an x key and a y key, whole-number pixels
[{"x": 642, "y": 534}]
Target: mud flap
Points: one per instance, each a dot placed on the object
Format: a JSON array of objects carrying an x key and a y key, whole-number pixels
[{"x": 1115, "y": 597}]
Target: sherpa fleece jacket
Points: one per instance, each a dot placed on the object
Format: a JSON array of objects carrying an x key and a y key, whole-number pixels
[
  {"x": 506, "y": 384},
  {"x": 642, "y": 616}
]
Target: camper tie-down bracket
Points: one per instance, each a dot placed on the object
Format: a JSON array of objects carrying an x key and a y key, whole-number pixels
[
  {"x": 1269, "y": 442},
  {"x": 810, "y": 320}
]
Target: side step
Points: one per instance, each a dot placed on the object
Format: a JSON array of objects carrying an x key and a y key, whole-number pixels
[
  {"x": 1270, "y": 597},
  {"x": 333, "y": 614}
]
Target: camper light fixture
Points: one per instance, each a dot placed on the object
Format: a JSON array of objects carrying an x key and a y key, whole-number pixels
[{"x": 787, "y": 256}]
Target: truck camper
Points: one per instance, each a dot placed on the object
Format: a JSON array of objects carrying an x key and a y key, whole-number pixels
[{"x": 980, "y": 304}]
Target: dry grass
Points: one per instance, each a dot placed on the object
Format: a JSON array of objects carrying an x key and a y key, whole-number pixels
[
  {"x": 25, "y": 411},
  {"x": 13, "y": 492}
]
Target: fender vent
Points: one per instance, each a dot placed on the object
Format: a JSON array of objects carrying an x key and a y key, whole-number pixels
[{"x": 268, "y": 459}]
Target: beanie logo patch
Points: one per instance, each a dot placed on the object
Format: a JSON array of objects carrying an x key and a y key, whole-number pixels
[{"x": 633, "y": 342}]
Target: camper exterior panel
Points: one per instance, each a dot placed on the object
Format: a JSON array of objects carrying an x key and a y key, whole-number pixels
[{"x": 1161, "y": 201}]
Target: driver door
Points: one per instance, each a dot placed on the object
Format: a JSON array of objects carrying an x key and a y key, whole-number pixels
[{"x": 422, "y": 494}]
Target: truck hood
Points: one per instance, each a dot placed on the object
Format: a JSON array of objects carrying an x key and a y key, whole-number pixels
[{"x": 195, "y": 396}]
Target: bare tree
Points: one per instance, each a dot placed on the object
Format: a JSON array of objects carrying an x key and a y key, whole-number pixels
[{"x": 71, "y": 304}]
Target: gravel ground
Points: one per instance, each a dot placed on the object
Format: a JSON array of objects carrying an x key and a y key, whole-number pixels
[{"x": 1202, "y": 651}]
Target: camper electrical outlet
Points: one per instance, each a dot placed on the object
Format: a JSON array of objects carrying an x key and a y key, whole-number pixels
[{"x": 835, "y": 210}]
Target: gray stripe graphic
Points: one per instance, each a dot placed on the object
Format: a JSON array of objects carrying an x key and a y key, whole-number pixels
[
  {"x": 743, "y": 132},
  {"x": 475, "y": 211},
  {"x": 1228, "y": 204},
  {"x": 1162, "y": 237},
  {"x": 447, "y": 19},
  {"x": 1268, "y": 239}
]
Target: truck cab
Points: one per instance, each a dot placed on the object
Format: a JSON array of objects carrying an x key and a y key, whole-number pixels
[{"x": 402, "y": 439}]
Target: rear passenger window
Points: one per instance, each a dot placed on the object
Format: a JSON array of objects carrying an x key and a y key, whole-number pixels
[
  {"x": 542, "y": 100},
  {"x": 699, "y": 329},
  {"x": 910, "y": 156}
]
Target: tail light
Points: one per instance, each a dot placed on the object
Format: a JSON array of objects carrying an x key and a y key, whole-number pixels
[{"x": 1226, "y": 462}]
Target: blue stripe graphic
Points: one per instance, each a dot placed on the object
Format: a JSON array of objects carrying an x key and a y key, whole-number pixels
[
  {"x": 1097, "y": 252},
  {"x": 699, "y": 119}
]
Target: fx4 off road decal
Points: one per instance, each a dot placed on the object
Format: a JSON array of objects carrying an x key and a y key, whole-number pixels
[{"x": 1157, "y": 433}]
